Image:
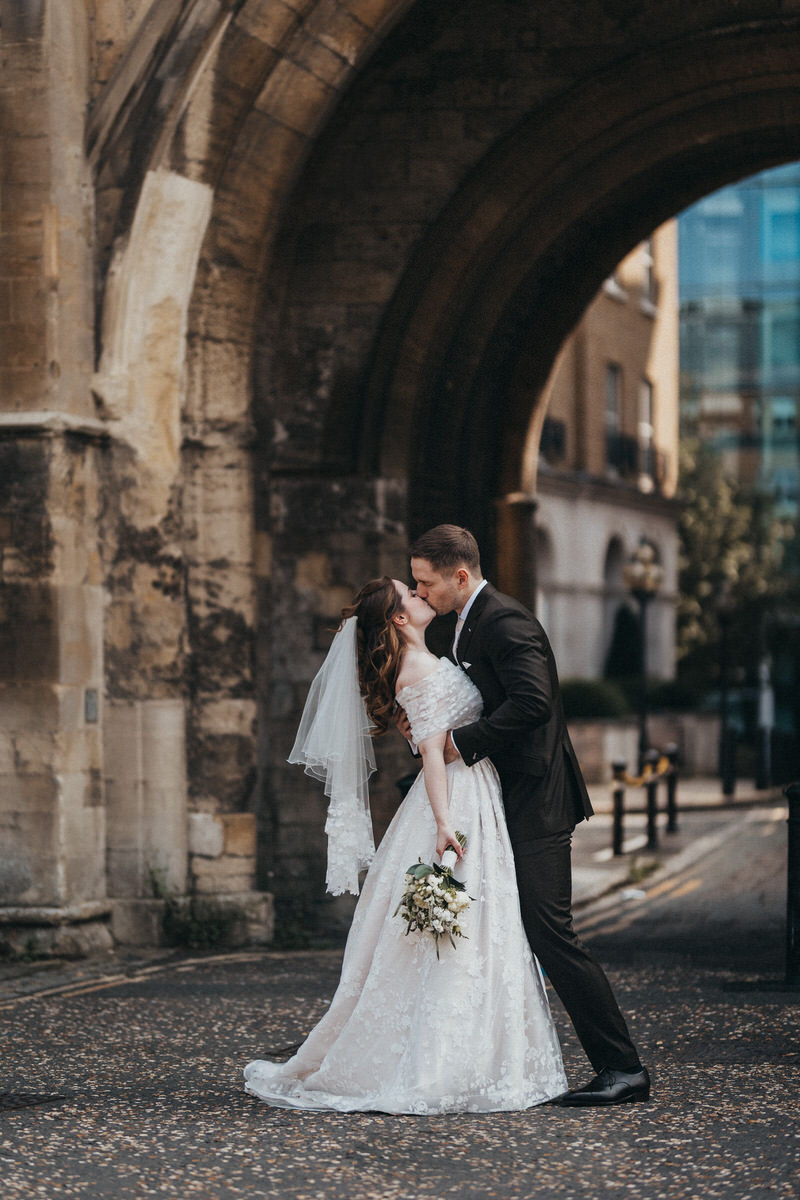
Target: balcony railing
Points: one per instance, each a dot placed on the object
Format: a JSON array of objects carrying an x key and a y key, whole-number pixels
[
  {"x": 632, "y": 459},
  {"x": 626, "y": 456}
]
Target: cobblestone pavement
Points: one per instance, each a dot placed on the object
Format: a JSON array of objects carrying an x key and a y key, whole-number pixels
[{"x": 128, "y": 1072}]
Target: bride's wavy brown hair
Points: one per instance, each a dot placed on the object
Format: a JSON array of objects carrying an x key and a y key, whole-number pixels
[{"x": 379, "y": 647}]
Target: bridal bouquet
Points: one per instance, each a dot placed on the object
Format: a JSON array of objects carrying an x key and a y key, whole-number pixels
[{"x": 434, "y": 898}]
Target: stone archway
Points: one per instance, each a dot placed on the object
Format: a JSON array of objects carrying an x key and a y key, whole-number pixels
[
  {"x": 523, "y": 148},
  {"x": 513, "y": 241},
  {"x": 515, "y": 251},
  {"x": 506, "y": 264}
]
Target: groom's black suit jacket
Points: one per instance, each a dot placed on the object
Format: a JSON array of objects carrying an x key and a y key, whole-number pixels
[{"x": 506, "y": 654}]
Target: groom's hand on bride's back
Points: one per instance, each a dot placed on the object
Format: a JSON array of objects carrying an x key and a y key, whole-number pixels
[{"x": 403, "y": 724}]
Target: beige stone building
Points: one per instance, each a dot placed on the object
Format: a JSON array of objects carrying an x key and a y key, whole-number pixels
[
  {"x": 606, "y": 461},
  {"x": 282, "y": 282}
]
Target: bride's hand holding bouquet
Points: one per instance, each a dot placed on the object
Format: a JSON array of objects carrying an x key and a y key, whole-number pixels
[
  {"x": 434, "y": 899},
  {"x": 449, "y": 841}
]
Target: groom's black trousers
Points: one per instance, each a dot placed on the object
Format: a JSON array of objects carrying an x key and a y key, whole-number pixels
[{"x": 544, "y": 878}]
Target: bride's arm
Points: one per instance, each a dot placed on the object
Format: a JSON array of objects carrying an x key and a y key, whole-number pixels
[{"x": 433, "y": 767}]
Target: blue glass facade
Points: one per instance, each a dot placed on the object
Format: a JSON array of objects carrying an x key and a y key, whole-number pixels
[{"x": 739, "y": 275}]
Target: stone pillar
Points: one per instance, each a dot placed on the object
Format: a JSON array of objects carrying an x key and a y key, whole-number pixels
[
  {"x": 515, "y": 515},
  {"x": 52, "y": 452},
  {"x": 180, "y": 741},
  {"x": 146, "y": 798}
]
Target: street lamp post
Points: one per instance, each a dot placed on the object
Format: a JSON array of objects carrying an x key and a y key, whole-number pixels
[
  {"x": 643, "y": 577},
  {"x": 766, "y": 723}
]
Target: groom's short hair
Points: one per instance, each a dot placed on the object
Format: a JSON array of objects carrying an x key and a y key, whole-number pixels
[{"x": 448, "y": 546}]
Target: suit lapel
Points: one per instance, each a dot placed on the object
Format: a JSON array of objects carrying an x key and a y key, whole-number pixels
[
  {"x": 474, "y": 616},
  {"x": 439, "y": 636}
]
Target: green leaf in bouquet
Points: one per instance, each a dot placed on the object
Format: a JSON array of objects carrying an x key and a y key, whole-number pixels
[{"x": 420, "y": 870}]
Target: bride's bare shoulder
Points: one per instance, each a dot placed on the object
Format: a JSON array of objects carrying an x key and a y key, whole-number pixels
[{"x": 416, "y": 666}]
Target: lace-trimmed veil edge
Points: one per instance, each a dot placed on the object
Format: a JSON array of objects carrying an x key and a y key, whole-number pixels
[{"x": 334, "y": 745}]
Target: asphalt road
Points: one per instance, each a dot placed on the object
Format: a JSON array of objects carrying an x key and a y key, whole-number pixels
[
  {"x": 149, "y": 1066},
  {"x": 726, "y": 910}
]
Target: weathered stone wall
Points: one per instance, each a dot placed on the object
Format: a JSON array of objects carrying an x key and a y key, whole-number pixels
[
  {"x": 327, "y": 541},
  {"x": 51, "y": 476},
  {"x": 51, "y": 665}
]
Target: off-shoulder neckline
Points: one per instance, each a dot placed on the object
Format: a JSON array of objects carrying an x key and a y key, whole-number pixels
[{"x": 410, "y": 687}]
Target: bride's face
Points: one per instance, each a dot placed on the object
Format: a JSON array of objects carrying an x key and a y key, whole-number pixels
[{"x": 418, "y": 613}]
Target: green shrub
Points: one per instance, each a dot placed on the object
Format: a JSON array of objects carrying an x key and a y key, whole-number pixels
[
  {"x": 674, "y": 694},
  {"x": 198, "y": 924},
  {"x": 593, "y": 698},
  {"x": 295, "y": 923},
  {"x": 190, "y": 921}
]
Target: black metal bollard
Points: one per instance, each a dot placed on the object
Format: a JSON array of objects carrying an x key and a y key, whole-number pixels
[
  {"x": 672, "y": 788},
  {"x": 727, "y": 766},
  {"x": 792, "y": 793},
  {"x": 619, "y": 767},
  {"x": 651, "y": 788}
]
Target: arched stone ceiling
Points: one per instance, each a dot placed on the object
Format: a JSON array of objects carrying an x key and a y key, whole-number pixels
[
  {"x": 230, "y": 93},
  {"x": 526, "y": 239},
  {"x": 523, "y": 247}
]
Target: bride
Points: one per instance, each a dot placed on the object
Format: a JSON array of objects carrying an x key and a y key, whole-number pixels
[{"x": 407, "y": 1031}]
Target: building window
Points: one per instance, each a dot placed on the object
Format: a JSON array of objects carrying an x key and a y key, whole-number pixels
[
  {"x": 781, "y": 329},
  {"x": 781, "y": 225},
  {"x": 620, "y": 450},
  {"x": 646, "y": 448},
  {"x": 649, "y": 285},
  {"x": 613, "y": 397}
]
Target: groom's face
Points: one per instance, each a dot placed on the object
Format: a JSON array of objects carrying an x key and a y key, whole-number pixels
[{"x": 441, "y": 591}]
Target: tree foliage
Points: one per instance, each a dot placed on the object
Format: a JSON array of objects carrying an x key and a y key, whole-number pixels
[{"x": 732, "y": 547}]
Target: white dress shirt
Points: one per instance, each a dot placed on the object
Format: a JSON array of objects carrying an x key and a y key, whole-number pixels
[{"x": 462, "y": 616}]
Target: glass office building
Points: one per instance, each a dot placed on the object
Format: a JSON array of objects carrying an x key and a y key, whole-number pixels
[
  {"x": 739, "y": 288},
  {"x": 739, "y": 272}
]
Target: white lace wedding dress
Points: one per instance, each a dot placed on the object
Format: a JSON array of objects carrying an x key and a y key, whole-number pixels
[{"x": 405, "y": 1032}]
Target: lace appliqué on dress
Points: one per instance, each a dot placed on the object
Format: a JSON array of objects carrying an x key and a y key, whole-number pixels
[{"x": 442, "y": 700}]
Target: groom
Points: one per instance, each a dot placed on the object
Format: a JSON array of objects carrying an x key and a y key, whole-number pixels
[{"x": 505, "y": 652}]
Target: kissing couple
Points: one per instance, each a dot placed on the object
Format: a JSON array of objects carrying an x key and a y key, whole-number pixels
[{"x": 469, "y": 677}]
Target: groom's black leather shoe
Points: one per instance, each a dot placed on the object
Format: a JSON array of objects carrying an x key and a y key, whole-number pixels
[{"x": 609, "y": 1087}]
